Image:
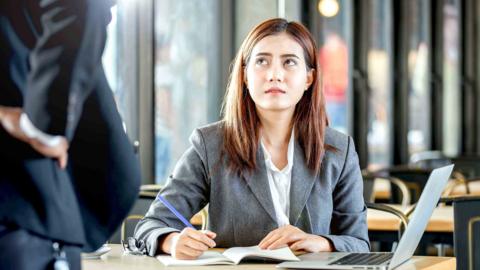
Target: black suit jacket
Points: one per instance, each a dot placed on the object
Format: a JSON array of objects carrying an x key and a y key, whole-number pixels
[{"x": 50, "y": 64}]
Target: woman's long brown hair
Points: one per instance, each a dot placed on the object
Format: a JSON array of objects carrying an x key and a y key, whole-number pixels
[{"x": 240, "y": 119}]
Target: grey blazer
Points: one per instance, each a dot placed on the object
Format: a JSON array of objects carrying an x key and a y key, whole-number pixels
[{"x": 241, "y": 211}]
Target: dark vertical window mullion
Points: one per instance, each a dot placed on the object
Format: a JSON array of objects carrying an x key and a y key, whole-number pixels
[
  {"x": 469, "y": 80},
  {"x": 227, "y": 37},
  {"x": 437, "y": 74},
  {"x": 476, "y": 21},
  {"x": 311, "y": 19},
  {"x": 306, "y": 16},
  {"x": 360, "y": 27},
  {"x": 400, "y": 81}
]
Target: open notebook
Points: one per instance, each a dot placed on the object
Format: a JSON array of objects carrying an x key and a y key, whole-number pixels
[{"x": 232, "y": 256}]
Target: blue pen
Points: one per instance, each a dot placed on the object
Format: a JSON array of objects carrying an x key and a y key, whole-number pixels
[{"x": 174, "y": 211}]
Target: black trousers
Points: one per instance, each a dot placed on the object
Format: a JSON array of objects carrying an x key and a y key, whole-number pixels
[{"x": 22, "y": 250}]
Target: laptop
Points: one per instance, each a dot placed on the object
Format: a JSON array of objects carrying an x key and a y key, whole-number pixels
[{"x": 406, "y": 247}]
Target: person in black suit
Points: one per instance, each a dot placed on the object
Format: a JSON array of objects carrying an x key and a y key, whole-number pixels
[{"x": 68, "y": 174}]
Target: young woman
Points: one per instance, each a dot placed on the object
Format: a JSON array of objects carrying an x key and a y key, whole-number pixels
[{"x": 272, "y": 171}]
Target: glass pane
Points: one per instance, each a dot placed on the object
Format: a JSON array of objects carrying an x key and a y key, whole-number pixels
[
  {"x": 249, "y": 13},
  {"x": 118, "y": 63},
  {"x": 109, "y": 57},
  {"x": 380, "y": 83},
  {"x": 186, "y": 63},
  {"x": 451, "y": 78},
  {"x": 335, "y": 62},
  {"x": 418, "y": 77}
]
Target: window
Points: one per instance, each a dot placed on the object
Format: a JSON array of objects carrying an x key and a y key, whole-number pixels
[
  {"x": 334, "y": 42},
  {"x": 119, "y": 62},
  {"x": 249, "y": 13},
  {"x": 379, "y": 61},
  {"x": 186, "y": 69},
  {"x": 451, "y": 78},
  {"x": 418, "y": 76}
]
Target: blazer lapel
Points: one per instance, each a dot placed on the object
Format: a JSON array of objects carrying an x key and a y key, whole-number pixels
[
  {"x": 258, "y": 183},
  {"x": 301, "y": 185}
]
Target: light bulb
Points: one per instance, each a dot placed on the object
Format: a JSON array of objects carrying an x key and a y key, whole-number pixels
[{"x": 328, "y": 8}]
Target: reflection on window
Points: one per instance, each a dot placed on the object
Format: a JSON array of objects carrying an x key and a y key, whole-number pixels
[
  {"x": 379, "y": 81},
  {"x": 185, "y": 33},
  {"x": 108, "y": 57},
  {"x": 418, "y": 74},
  {"x": 116, "y": 64},
  {"x": 451, "y": 79},
  {"x": 335, "y": 64}
]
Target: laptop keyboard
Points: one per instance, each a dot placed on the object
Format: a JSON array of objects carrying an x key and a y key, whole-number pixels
[{"x": 363, "y": 259}]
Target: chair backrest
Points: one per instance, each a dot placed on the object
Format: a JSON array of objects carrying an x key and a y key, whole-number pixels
[
  {"x": 469, "y": 166},
  {"x": 466, "y": 211},
  {"x": 429, "y": 160},
  {"x": 139, "y": 210},
  {"x": 369, "y": 187},
  {"x": 414, "y": 178},
  {"x": 391, "y": 210}
]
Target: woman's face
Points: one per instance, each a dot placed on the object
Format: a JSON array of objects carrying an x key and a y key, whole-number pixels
[{"x": 276, "y": 74}]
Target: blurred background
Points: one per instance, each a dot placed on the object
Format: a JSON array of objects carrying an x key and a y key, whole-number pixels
[{"x": 401, "y": 76}]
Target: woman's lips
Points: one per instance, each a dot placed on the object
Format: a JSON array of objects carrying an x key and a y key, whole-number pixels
[{"x": 275, "y": 90}]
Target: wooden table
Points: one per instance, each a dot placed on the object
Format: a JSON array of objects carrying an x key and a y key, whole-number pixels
[
  {"x": 441, "y": 220},
  {"x": 116, "y": 260},
  {"x": 461, "y": 190}
]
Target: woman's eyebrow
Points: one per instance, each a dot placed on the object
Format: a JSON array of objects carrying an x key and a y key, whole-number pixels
[
  {"x": 287, "y": 55},
  {"x": 263, "y": 54}
]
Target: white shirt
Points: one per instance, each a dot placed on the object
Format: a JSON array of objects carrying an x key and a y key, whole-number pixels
[
  {"x": 279, "y": 182},
  {"x": 33, "y": 132}
]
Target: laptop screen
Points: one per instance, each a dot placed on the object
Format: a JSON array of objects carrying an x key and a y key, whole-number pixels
[{"x": 423, "y": 211}]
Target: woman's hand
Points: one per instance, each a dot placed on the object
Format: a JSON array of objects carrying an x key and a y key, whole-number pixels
[
  {"x": 189, "y": 244},
  {"x": 296, "y": 239}
]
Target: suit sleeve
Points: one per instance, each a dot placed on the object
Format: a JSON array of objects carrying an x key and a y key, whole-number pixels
[
  {"x": 187, "y": 189},
  {"x": 349, "y": 230},
  {"x": 63, "y": 62}
]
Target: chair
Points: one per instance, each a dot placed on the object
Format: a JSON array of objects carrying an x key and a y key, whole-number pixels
[
  {"x": 389, "y": 209},
  {"x": 414, "y": 178},
  {"x": 369, "y": 187},
  {"x": 429, "y": 160},
  {"x": 146, "y": 196},
  {"x": 468, "y": 165},
  {"x": 466, "y": 230}
]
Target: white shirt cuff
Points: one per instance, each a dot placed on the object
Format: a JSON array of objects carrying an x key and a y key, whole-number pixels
[{"x": 34, "y": 133}]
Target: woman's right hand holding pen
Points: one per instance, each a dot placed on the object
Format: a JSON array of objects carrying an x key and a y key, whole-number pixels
[{"x": 189, "y": 244}]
